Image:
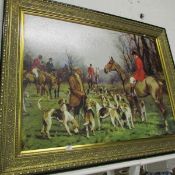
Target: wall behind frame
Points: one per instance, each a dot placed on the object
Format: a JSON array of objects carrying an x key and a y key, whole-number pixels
[{"x": 158, "y": 12}]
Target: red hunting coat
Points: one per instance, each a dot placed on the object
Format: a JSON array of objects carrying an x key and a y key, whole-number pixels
[
  {"x": 91, "y": 71},
  {"x": 139, "y": 74},
  {"x": 36, "y": 63}
]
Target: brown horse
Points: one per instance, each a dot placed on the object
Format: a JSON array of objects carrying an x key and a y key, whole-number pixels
[
  {"x": 49, "y": 82},
  {"x": 29, "y": 78},
  {"x": 44, "y": 83},
  {"x": 149, "y": 86}
]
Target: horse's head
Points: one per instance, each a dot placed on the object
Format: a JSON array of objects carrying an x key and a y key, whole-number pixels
[{"x": 110, "y": 66}]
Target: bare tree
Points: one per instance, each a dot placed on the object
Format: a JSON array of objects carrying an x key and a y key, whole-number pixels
[
  {"x": 145, "y": 47},
  {"x": 125, "y": 51},
  {"x": 70, "y": 61}
]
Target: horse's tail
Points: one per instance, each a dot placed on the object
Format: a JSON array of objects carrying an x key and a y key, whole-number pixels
[
  {"x": 160, "y": 90},
  {"x": 159, "y": 96}
]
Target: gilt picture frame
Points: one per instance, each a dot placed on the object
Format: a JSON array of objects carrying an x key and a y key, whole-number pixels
[{"x": 82, "y": 88}]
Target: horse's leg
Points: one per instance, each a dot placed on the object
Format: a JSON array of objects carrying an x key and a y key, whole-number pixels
[
  {"x": 37, "y": 88},
  {"x": 55, "y": 93},
  {"x": 133, "y": 111},
  {"x": 50, "y": 92},
  {"x": 89, "y": 84},
  {"x": 132, "y": 123},
  {"x": 164, "y": 114},
  {"x": 40, "y": 90},
  {"x": 137, "y": 105},
  {"x": 92, "y": 84},
  {"x": 160, "y": 98},
  {"x": 155, "y": 89},
  {"x": 43, "y": 90},
  {"x": 157, "y": 96},
  {"x": 47, "y": 91},
  {"x": 161, "y": 107},
  {"x": 37, "y": 91},
  {"x": 37, "y": 84},
  {"x": 58, "y": 90}
]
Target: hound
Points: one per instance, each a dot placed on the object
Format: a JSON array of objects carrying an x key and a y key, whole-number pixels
[
  {"x": 67, "y": 117},
  {"x": 62, "y": 115},
  {"x": 47, "y": 120},
  {"x": 126, "y": 110},
  {"x": 98, "y": 107},
  {"x": 89, "y": 118},
  {"x": 104, "y": 112}
]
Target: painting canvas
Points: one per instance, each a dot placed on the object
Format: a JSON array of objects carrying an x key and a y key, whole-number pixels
[
  {"x": 82, "y": 88},
  {"x": 85, "y": 85}
]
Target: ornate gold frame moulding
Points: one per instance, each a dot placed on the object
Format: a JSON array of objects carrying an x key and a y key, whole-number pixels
[{"x": 13, "y": 159}]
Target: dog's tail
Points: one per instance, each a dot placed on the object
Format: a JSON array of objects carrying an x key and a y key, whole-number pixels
[{"x": 39, "y": 105}]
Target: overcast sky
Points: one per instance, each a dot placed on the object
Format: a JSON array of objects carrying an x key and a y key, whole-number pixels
[{"x": 53, "y": 38}]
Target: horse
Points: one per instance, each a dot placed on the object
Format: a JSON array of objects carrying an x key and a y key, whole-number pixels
[
  {"x": 29, "y": 78},
  {"x": 48, "y": 82},
  {"x": 90, "y": 81},
  {"x": 149, "y": 86},
  {"x": 45, "y": 82}
]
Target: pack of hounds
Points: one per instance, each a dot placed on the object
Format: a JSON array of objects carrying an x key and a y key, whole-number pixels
[{"x": 113, "y": 106}]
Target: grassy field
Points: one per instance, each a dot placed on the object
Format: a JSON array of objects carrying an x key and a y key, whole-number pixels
[{"x": 32, "y": 123}]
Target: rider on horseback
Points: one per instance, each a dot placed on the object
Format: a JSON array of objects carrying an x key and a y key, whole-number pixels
[
  {"x": 139, "y": 74},
  {"x": 37, "y": 64},
  {"x": 91, "y": 74},
  {"x": 49, "y": 66}
]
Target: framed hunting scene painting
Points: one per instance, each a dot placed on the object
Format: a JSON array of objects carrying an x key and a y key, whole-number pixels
[{"x": 81, "y": 88}]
